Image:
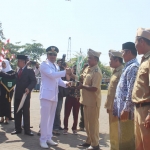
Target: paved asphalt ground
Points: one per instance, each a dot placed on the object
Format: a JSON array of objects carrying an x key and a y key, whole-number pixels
[{"x": 66, "y": 142}]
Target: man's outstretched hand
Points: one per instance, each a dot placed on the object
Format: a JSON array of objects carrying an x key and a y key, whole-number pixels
[
  {"x": 27, "y": 91},
  {"x": 68, "y": 84},
  {"x": 68, "y": 71}
]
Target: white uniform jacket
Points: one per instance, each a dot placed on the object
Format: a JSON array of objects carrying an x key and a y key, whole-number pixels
[{"x": 50, "y": 79}]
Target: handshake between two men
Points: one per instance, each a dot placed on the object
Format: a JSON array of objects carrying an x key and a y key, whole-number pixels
[
  {"x": 70, "y": 74},
  {"x": 69, "y": 71}
]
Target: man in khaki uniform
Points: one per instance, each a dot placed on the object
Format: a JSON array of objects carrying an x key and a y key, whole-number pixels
[
  {"x": 91, "y": 99},
  {"x": 115, "y": 63},
  {"x": 141, "y": 91}
]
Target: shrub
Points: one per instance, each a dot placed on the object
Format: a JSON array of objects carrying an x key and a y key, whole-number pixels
[{"x": 104, "y": 86}]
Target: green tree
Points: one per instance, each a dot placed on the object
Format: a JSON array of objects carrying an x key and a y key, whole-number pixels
[
  {"x": 74, "y": 60},
  {"x": 106, "y": 71},
  {"x": 35, "y": 51},
  {"x": 1, "y": 37},
  {"x": 14, "y": 50},
  {"x": 1, "y": 32}
]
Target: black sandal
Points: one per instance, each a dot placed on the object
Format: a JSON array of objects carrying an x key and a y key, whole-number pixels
[
  {"x": 6, "y": 122},
  {"x": 2, "y": 121}
]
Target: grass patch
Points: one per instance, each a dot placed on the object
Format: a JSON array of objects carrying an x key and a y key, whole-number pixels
[{"x": 104, "y": 91}]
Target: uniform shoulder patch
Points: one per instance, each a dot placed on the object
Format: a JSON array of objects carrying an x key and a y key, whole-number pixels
[{"x": 96, "y": 70}]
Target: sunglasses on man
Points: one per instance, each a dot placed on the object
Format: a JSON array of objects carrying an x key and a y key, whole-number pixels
[{"x": 52, "y": 54}]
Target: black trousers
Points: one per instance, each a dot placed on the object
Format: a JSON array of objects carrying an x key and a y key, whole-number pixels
[
  {"x": 25, "y": 112},
  {"x": 81, "y": 124}
]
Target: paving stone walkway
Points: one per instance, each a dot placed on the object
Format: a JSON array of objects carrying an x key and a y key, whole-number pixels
[{"x": 66, "y": 142}]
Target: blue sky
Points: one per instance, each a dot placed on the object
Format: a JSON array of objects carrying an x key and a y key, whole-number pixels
[{"x": 97, "y": 24}]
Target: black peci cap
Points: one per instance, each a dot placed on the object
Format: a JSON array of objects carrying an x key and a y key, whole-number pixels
[
  {"x": 129, "y": 46},
  {"x": 23, "y": 57}
]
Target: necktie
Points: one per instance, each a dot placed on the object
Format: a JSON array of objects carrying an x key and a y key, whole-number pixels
[
  {"x": 20, "y": 72},
  {"x": 55, "y": 67}
]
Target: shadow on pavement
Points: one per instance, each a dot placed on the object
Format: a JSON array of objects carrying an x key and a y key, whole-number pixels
[
  {"x": 3, "y": 137},
  {"x": 104, "y": 139},
  {"x": 32, "y": 142},
  {"x": 29, "y": 142},
  {"x": 74, "y": 140},
  {"x": 8, "y": 128}
]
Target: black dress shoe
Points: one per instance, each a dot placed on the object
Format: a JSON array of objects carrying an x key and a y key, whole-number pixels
[
  {"x": 60, "y": 128},
  {"x": 29, "y": 133},
  {"x": 56, "y": 132},
  {"x": 15, "y": 132},
  {"x": 23, "y": 127},
  {"x": 39, "y": 133},
  {"x": 11, "y": 118},
  {"x": 93, "y": 147},
  {"x": 84, "y": 145}
]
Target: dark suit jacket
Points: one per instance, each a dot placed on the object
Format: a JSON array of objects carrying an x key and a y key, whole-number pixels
[{"x": 27, "y": 80}]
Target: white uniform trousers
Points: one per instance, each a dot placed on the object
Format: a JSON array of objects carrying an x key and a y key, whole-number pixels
[{"x": 48, "y": 109}]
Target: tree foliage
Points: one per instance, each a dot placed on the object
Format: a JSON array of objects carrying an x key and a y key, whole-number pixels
[
  {"x": 1, "y": 32},
  {"x": 106, "y": 71},
  {"x": 73, "y": 60},
  {"x": 34, "y": 51}
]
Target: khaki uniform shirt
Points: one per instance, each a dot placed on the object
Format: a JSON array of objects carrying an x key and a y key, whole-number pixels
[
  {"x": 91, "y": 77},
  {"x": 141, "y": 89},
  {"x": 112, "y": 87}
]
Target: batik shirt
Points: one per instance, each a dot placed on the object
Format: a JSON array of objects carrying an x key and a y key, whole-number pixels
[{"x": 123, "y": 101}]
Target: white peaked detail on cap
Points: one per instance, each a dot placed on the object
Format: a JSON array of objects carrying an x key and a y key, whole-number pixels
[
  {"x": 94, "y": 53},
  {"x": 115, "y": 53}
]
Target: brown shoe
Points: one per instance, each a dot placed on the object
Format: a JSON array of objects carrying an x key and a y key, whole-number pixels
[
  {"x": 80, "y": 129},
  {"x": 56, "y": 132},
  {"x": 84, "y": 144}
]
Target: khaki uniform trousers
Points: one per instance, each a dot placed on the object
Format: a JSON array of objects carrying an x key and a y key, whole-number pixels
[
  {"x": 113, "y": 130},
  {"x": 126, "y": 135},
  {"x": 142, "y": 134},
  {"x": 121, "y": 134},
  {"x": 91, "y": 121}
]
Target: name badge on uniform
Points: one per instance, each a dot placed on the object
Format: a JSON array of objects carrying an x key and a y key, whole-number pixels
[{"x": 9, "y": 84}]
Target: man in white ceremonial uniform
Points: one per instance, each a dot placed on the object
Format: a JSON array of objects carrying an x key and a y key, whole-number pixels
[{"x": 50, "y": 80}]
